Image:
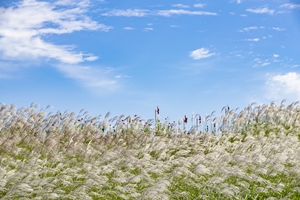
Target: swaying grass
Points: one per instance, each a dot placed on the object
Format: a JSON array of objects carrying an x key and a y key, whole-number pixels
[{"x": 253, "y": 154}]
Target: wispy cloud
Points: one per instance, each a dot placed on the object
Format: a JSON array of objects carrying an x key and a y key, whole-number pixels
[
  {"x": 269, "y": 36},
  {"x": 82, "y": 3},
  {"x": 167, "y": 13},
  {"x": 144, "y": 12},
  {"x": 148, "y": 29},
  {"x": 23, "y": 26},
  {"x": 265, "y": 64},
  {"x": 252, "y": 40},
  {"x": 128, "y": 28},
  {"x": 278, "y": 29},
  {"x": 248, "y": 29},
  {"x": 122, "y": 76},
  {"x": 90, "y": 77},
  {"x": 290, "y": 6},
  {"x": 9, "y": 70},
  {"x": 127, "y": 13},
  {"x": 239, "y": 53},
  {"x": 199, "y": 5},
  {"x": 261, "y": 63},
  {"x": 180, "y": 5},
  {"x": 264, "y": 10},
  {"x": 200, "y": 54},
  {"x": 237, "y": 1},
  {"x": 294, "y": 66},
  {"x": 286, "y": 85}
]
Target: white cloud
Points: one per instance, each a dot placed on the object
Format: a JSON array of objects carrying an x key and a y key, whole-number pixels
[
  {"x": 180, "y": 5},
  {"x": 261, "y": 63},
  {"x": 122, "y": 76},
  {"x": 23, "y": 26},
  {"x": 82, "y": 3},
  {"x": 200, "y": 54},
  {"x": 167, "y": 13},
  {"x": 248, "y": 28},
  {"x": 265, "y": 37},
  {"x": 128, "y": 28},
  {"x": 164, "y": 13},
  {"x": 290, "y": 6},
  {"x": 278, "y": 29},
  {"x": 8, "y": 70},
  {"x": 265, "y": 10},
  {"x": 127, "y": 13},
  {"x": 286, "y": 85},
  {"x": 90, "y": 77},
  {"x": 294, "y": 66},
  {"x": 265, "y": 64},
  {"x": 238, "y": 54},
  {"x": 91, "y": 58},
  {"x": 199, "y": 5},
  {"x": 275, "y": 55},
  {"x": 237, "y": 1},
  {"x": 148, "y": 29},
  {"x": 252, "y": 40}
]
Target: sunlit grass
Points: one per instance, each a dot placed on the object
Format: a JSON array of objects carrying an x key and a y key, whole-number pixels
[{"x": 251, "y": 154}]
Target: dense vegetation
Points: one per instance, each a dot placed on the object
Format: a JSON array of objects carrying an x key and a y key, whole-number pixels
[{"x": 251, "y": 154}]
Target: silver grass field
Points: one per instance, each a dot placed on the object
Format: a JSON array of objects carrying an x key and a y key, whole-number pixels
[{"x": 250, "y": 154}]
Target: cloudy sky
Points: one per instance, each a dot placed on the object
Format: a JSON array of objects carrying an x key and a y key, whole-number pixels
[{"x": 128, "y": 57}]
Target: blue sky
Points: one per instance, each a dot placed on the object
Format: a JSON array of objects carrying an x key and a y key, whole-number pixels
[{"x": 128, "y": 57}]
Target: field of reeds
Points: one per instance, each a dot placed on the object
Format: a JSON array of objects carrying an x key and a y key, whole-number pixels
[{"x": 249, "y": 154}]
